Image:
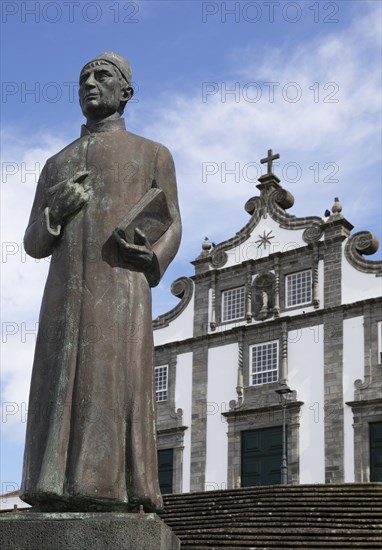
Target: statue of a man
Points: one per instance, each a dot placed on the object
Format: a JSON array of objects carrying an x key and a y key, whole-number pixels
[{"x": 90, "y": 441}]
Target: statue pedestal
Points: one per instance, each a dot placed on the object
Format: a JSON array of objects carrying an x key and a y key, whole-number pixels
[{"x": 85, "y": 531}]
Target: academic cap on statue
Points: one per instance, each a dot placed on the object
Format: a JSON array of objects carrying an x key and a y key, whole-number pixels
[{"x": 120, "y": 62}]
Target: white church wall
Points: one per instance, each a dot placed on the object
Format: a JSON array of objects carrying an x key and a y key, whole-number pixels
[
  {"x": 221, "y": 389},
  {"x": 280, "y": 240},
  {"x": 180, "y": 328},
  {"x": 183, "y": 400},
  {"x": 353, "y": 360},
  {"x": 306, "y": 376},
  {"x": 358, "y": 286}
]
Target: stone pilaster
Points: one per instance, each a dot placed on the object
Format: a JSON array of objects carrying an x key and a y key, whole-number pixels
[
  {"x": 284, "y": 354},
  {"x": 276, "y": 307},
  {"x": 336, "y": 231},
  {"x": 333, "y": 398},
  {"x": 199, "y": 417},
  {"x": 315, "y": 258},
  {"x": 248, "y": 308},
  {"x": 213, "y": 302},
  {"x": 202, "y": 288}
]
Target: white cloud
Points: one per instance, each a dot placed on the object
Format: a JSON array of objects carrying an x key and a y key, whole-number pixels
[
  {"x": 346, "y": 133},
  {"x": 23, "y": 278}
]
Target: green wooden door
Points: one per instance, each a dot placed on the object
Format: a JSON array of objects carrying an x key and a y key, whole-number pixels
[
  {"x": 165, "y": 470},
  {"x": 261, "y": 452},
  {"x": 376, "y": 451}
]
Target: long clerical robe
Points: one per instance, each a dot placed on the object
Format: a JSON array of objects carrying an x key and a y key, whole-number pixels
[{"x": 90, "y": 441}]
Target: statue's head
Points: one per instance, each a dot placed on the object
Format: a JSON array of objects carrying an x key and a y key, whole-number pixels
[{"x": 105, "y": 86}]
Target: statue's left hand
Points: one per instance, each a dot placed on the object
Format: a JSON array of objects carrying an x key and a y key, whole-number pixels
[{"x": 139, "y": 254}]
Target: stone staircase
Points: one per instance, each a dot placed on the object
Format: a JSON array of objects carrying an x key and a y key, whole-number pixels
[{"x": 291, "y": 516}]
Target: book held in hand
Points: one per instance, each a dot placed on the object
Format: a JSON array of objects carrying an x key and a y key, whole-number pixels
[{"x": 150, "y": 214}]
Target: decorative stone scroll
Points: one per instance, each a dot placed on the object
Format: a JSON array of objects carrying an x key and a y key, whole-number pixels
[
  {"x": 363, "y": 384},
  {"x": 284, "y": 198},
  {"x": 313, "y": 233},
  {"x": 254, "y": 204},
  {"x": 359, "y": 244},
  {"x": 182, "y": 288},
  {"x": 219, "y": 258}
]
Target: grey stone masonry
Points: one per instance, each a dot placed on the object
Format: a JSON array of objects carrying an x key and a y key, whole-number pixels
[
  {"x": 201, "y": 306},
  {"x": 199, "y": 388},
  {"x": 77, "y": 531},
  {"x": 336, "y": 231},
  {"x": 367, "y": 404},
  {"x": 199, "y": 417},
  {"x": 333, "y": 398}
]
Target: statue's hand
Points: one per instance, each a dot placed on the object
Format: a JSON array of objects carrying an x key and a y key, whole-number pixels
[
  {"x": 69, "y": 199},
  {"x": 140, "y": 254}
]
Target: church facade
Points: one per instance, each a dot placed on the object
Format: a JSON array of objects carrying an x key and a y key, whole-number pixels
[{"x": 287, "y": 300}]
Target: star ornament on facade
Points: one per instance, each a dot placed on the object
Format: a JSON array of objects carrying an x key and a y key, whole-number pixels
[{"x": 265, "y": 239}]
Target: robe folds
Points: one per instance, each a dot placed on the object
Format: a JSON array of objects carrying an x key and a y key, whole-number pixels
[{"x": 90, "y": 440}]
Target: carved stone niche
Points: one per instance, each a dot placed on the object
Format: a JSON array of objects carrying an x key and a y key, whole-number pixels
[{"x": 263, "y": 296}]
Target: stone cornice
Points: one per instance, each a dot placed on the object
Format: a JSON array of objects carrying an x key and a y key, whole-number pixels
[
  {"x": 174, "y": 430},
  {"x": 259, "y": 261},
  {"x": 368, "y": 403},
  {"x": 256, "y": 410},
  {"x": 316, "y": 316}
]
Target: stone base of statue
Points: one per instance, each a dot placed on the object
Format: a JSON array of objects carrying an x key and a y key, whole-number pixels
[{"x": 85, "y": 531}]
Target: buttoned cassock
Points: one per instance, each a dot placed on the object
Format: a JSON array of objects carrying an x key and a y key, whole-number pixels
[{"x": 90, "y": 441}]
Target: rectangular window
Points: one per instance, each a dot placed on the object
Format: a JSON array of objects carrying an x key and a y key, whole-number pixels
[
  {"x": 264, "y": 363},
  {"x": 233, "y": 304},
  {"x": 299, "y": 288},
  {"x": 380, "y": 342},
  {"x": 161, "y": 376}
]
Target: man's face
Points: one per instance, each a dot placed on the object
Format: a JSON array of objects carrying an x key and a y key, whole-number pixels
[{"x": 100, "y": 91}]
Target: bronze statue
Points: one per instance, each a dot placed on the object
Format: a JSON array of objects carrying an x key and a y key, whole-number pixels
[{"x": 90, "y": 441}]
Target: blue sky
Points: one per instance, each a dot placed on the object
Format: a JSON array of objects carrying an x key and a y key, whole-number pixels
[{"x": 306, "y": 80}]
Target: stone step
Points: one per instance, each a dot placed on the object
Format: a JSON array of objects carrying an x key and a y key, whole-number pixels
[
  {"x": 272, "y": 495},
  {"x": 281, "y": 522},
  {"x": 363, "y": 488},
  {"x": 351, "y": 501},
  {"x": 295, "y": 534},
  {"x": 268, "y": 545},
  {"x": 359, "y": 501},
  {"x": 315, "y": 516},
  {"x": 292, "y": 511},
  {"x": 274, "y": 504},
  {"x": 307, "y": 510},
  {"x": 280, "y": 541}
]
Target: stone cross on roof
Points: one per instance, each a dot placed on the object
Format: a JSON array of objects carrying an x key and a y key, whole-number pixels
[{"x": 269, "y": 159}]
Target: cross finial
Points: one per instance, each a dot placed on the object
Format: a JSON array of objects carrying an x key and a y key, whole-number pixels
[{"x": 269, "y": 159}]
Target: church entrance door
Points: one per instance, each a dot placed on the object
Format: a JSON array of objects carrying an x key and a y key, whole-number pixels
[
  {"x": 376, "y": 451},
  {"x": 165, "y": 470},
  {"x": 261, "y": 452}
]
